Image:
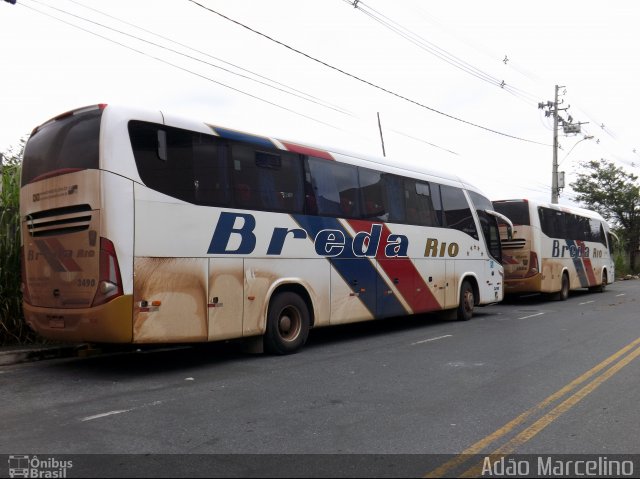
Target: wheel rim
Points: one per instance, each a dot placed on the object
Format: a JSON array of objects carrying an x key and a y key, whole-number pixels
[
  {"x": 289, "y": 323},
  {"x": 467, "y": 301}
]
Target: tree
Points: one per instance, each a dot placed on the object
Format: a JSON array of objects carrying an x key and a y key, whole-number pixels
[{"x": 615, "y": 194}]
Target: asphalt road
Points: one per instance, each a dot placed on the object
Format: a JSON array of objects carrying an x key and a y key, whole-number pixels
[{"x": 418, "y": 395}]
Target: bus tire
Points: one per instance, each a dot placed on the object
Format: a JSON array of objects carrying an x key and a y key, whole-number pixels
[
  {"x": 563, "y": 294},
  {"x": 287, "y": 324},
  {"x": 602, "y": 286},
  {"x": 467, "y": 302}
]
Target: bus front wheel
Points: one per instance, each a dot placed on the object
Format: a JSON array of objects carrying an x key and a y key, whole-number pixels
[
  {"x": 601, "y": 287},
  {"x": 467, "y": 301},
  {"x": 287, "y": 324},
  {"x": 563, "y": 294}
]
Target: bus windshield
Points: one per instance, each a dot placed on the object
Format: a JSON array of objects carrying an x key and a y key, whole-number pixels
[{"x": 67, "y": 143}]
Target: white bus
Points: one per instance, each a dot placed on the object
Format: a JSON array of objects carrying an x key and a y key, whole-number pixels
[
  {"x": 555, "y": 249},
  {"x": 139, "y": 227}
]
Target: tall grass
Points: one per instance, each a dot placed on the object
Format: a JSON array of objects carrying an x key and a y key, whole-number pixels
[{"x": 13, "y": 329}]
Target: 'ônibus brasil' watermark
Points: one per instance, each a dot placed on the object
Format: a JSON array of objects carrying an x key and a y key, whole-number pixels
[{"x": 38, "y": 467}]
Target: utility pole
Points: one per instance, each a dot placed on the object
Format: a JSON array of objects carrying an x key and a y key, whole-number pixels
[
  {"x": 568, "y": 127},
  {"x": 381, "y": 137},
  {"x": 555, "y": 192}
]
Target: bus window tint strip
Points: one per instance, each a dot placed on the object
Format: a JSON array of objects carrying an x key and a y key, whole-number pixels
[
  {"x": 243, "y": 137},
  {"x": 249, "y": 172}
]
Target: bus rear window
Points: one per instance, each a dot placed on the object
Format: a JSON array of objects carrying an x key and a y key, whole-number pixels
[
  {"x": 184, "y": 164},
  {"x": 66, "y": 144},
  {"x": 516, "y": 211}
]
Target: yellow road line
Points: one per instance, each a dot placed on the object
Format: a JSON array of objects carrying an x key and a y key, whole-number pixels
[
  {"x": 552, "y": 415},
  {"x": 511, "y": 425}
]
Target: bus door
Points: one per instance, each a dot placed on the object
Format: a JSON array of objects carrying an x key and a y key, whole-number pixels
[{"x": 491, "y": 232}]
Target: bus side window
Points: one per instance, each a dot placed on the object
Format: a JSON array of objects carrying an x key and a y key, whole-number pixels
[
  {"x": 420, "y": 203},
  {"x": 172, "y": 175},
  {"x": 288, "y": 182},
  {"x": 210, "y": 171},
  {"x": 245, "y": 181},
  {"x": 577, "y": 227},
  {"x": 180, "y": 163},
  {"x": 394, "y": 198},
  {"x": 372, "y": 194},
  {"x": 585, "y": 229},
  {"x": 270, "y": 165},
  {"x": 310, "y": 202},
  {"x": 335, "y": 188},
  {"x": 437, "y": 204},
  {"x": 552, "y": 222},
  {"x": 266, "y": 180},
  {"x": 597, "y": 232},
  {"x": 610, "y": 238}
]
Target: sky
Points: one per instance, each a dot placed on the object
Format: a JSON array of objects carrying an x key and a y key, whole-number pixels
[{"x": 456, "y": 85}]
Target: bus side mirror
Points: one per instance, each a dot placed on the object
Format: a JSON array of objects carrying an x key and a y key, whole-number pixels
[{"x": 502, "y": 219}]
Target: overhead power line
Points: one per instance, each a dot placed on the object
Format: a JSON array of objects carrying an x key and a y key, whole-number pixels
[
  {"x": 424, "y": 44},
  {"x": 208, "y": 55},
  {"x": 299, "y": 95},
  {"x": 461, "y": 64},
  {"x": 362, "y": 80},
  {"x": 166, "y": 62},
  {"x": 440, "y": 52},
  {"x": 275, "y": 82},
  {"x": 189, "y": 57}
]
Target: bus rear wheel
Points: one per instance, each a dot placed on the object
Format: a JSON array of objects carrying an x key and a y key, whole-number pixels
[
  {"x": 287, "y": 324},
  {"x": 467, "y": 302}
]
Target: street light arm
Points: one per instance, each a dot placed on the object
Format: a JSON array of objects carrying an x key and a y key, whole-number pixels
[{"x": 587, "y": 137}]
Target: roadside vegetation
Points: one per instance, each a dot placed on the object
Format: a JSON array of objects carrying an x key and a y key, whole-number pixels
[
  {"x": 615, "y": 194},
  {"x": 13, "y": 329}
]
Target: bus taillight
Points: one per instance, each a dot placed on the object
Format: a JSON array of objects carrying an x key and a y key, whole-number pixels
[
  {"x": 533, "y": 265},
  {"x": 24, "y": 287},
  {"x": 110, "y": 282}
]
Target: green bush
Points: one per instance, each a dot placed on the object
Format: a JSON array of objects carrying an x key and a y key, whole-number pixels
[
  {"x": 13, "y": 329},
  {"x": 622, "y": 266}
]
